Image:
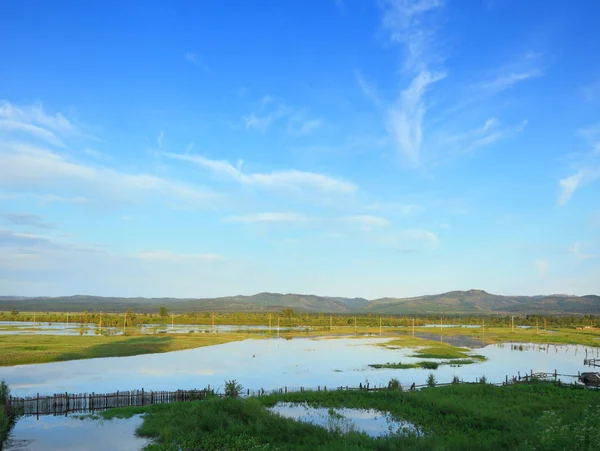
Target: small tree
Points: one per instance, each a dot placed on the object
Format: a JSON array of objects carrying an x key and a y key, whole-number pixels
[
  {"x": 394, "y": 384},
  {"x": 431, "y": 380},
  {"x": 163, "y": 311},
  {"x": 233, "y": 388}
]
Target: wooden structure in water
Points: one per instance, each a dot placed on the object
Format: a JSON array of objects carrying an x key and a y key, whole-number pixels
[
  {"x": 66, "y": 403},
  {"x": 592, "y": 362}
]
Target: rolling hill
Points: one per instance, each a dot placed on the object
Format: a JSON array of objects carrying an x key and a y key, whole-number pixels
[{"x": 471, "y": 302}]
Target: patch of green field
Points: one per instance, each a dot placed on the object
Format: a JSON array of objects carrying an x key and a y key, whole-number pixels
[
  {"x": 588, "y": 337},
  {"x": 454, "y": 417},
  {"x": 24, "y": 349},
  {"x": 422, "y": 364}
]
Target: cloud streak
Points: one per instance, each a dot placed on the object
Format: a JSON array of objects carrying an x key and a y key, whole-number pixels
[
  {"x": 290, "y": 179},
  {"x": 26, "y": 219}
]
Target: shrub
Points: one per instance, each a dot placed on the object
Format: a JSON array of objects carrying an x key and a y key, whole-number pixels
[
  {"x": 455, "y": 380},
  {"x": 394, "y": 384},
  {"x": 233, "y": 388},
  {"x": 431, "y": 380},
  {"x": 483, "y": 380}
]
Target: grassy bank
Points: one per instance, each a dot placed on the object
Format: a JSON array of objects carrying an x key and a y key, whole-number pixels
[
  {"x": 456, "y": 417},
  {"x": 588, "y": 337},
  {"x": 23, "y": 349}
]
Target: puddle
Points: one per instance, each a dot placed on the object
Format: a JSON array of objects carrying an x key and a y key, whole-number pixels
[
  {"x": 73, "y": 433},
  {"x": 344, "y": 420}
]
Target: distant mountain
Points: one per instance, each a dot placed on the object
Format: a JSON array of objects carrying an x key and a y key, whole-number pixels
[
  {"x": 473, "y": 302},
  {"x": 257, "y": 302},
  {"x": 481, "y": 302}
]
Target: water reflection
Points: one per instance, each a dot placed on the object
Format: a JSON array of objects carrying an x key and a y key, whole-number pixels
[
  {"x": 276, "y": 363},
  {"x": 73, "y": 433},
  {"x": 343, "y": 420}
]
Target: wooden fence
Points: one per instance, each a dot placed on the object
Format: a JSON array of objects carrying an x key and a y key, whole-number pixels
[
  {"x": 65, "y": 403},
  {"x": 592, "y": 362}
]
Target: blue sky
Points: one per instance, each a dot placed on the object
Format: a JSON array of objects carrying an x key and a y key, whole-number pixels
[{"x": 351, "y": 148}]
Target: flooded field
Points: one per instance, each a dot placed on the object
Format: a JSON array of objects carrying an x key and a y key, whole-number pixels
[
  {"x": 369, "y": 421},
  {"x": 260, "y": 364},
  {"x": 74, "y": 434},
  {"x": 43, "y": 328},
  {"x": 275, "y": 363}
]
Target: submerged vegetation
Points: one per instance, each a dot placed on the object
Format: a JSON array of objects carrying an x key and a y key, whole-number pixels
[
  {"x": 24, "y": 349},
  {"x": 7, "y": 417},
  {"x": 428, "y": 365},
  {"x": 535, "y": 416}
]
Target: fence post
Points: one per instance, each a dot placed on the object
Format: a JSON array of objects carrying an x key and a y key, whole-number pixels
[{"x": 142, "y": 396}]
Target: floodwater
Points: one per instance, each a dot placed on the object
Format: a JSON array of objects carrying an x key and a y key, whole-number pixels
[
  {"x": 369, "y": 421},
  {"x": 275, "y": 363},
  {"x": 75, "y": 434},
  {"x": 267, "y": 364},
  {"x": 74, "y": 328}
]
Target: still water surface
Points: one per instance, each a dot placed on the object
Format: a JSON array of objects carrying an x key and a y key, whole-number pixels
[{"x": 276, "y": 363}]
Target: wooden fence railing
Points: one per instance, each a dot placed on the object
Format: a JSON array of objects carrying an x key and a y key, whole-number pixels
[{"x": 65, "y": 403}]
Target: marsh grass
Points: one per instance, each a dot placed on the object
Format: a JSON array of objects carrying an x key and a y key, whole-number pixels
[
  {"x": 453, "y": 417},
  {"x": 24, "y": 349}
]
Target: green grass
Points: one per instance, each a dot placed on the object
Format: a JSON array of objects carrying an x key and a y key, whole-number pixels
[
  {"x": 455, "y": 417},
  {"x": 24, "y": 349},
  {"x": 588, "y": 337},
  {"x": 422, "y": 364}
]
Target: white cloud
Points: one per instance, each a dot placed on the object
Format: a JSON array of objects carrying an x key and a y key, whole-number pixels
[
  {"x": 578, "y": 250},
  {"x": 506, "y": 81},
  {"x": 26, "y": 219},
  {"x": 290, "y": 179},
  {"x": 421, "y": 234},
  {"x": 367, "y": 221},
  {"x": 159, "y": 139},
  {"x": 489, "y": 133},
  {"x": 30, "y": 167},
  {"x": 570, "y": 184},
  {"x": 192, "y": 58},
  {"x": 300, "y": 126},
  {"x": 271, "y": 217},
  {"x": 541, "y": 266},
  {"x": 405, "y": 117},
  {"x": 168, "y": 256},
  {"x": 9, "y": 126},
  {"x": 368, "y": 90},
  {"x": 35, "y": 114},
  {"x": 44, "y": 198},
  {"x": 408, "y": 25}
]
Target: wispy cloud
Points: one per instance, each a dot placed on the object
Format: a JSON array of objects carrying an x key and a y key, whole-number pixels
[
  {"x": 192, "y": 58},
  {"x": 271, "y": 217},
  {"x": 31, "y": 168},
  {"x": 506, "y": 81},
  {"x": 270, "y": 110},
  {"x": 290, "y": 179},
  {"x": 569, "y": 185},
  {"x": 169, "y": 256},
  {"x": 410, "y": 24},
  {"x": 490, "y": 132},
  {"x": 587, "y": 166},
  {"x": 44, "y": 198},
  {"x": 541, "y": 266},
  {"x": 366, "y": 222},
  {"x": 579, "y": 251},
  {"x": 26, "y": 219},
  {"x": 405, "y": 117},
  {"x": 159, "y": 139}
]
